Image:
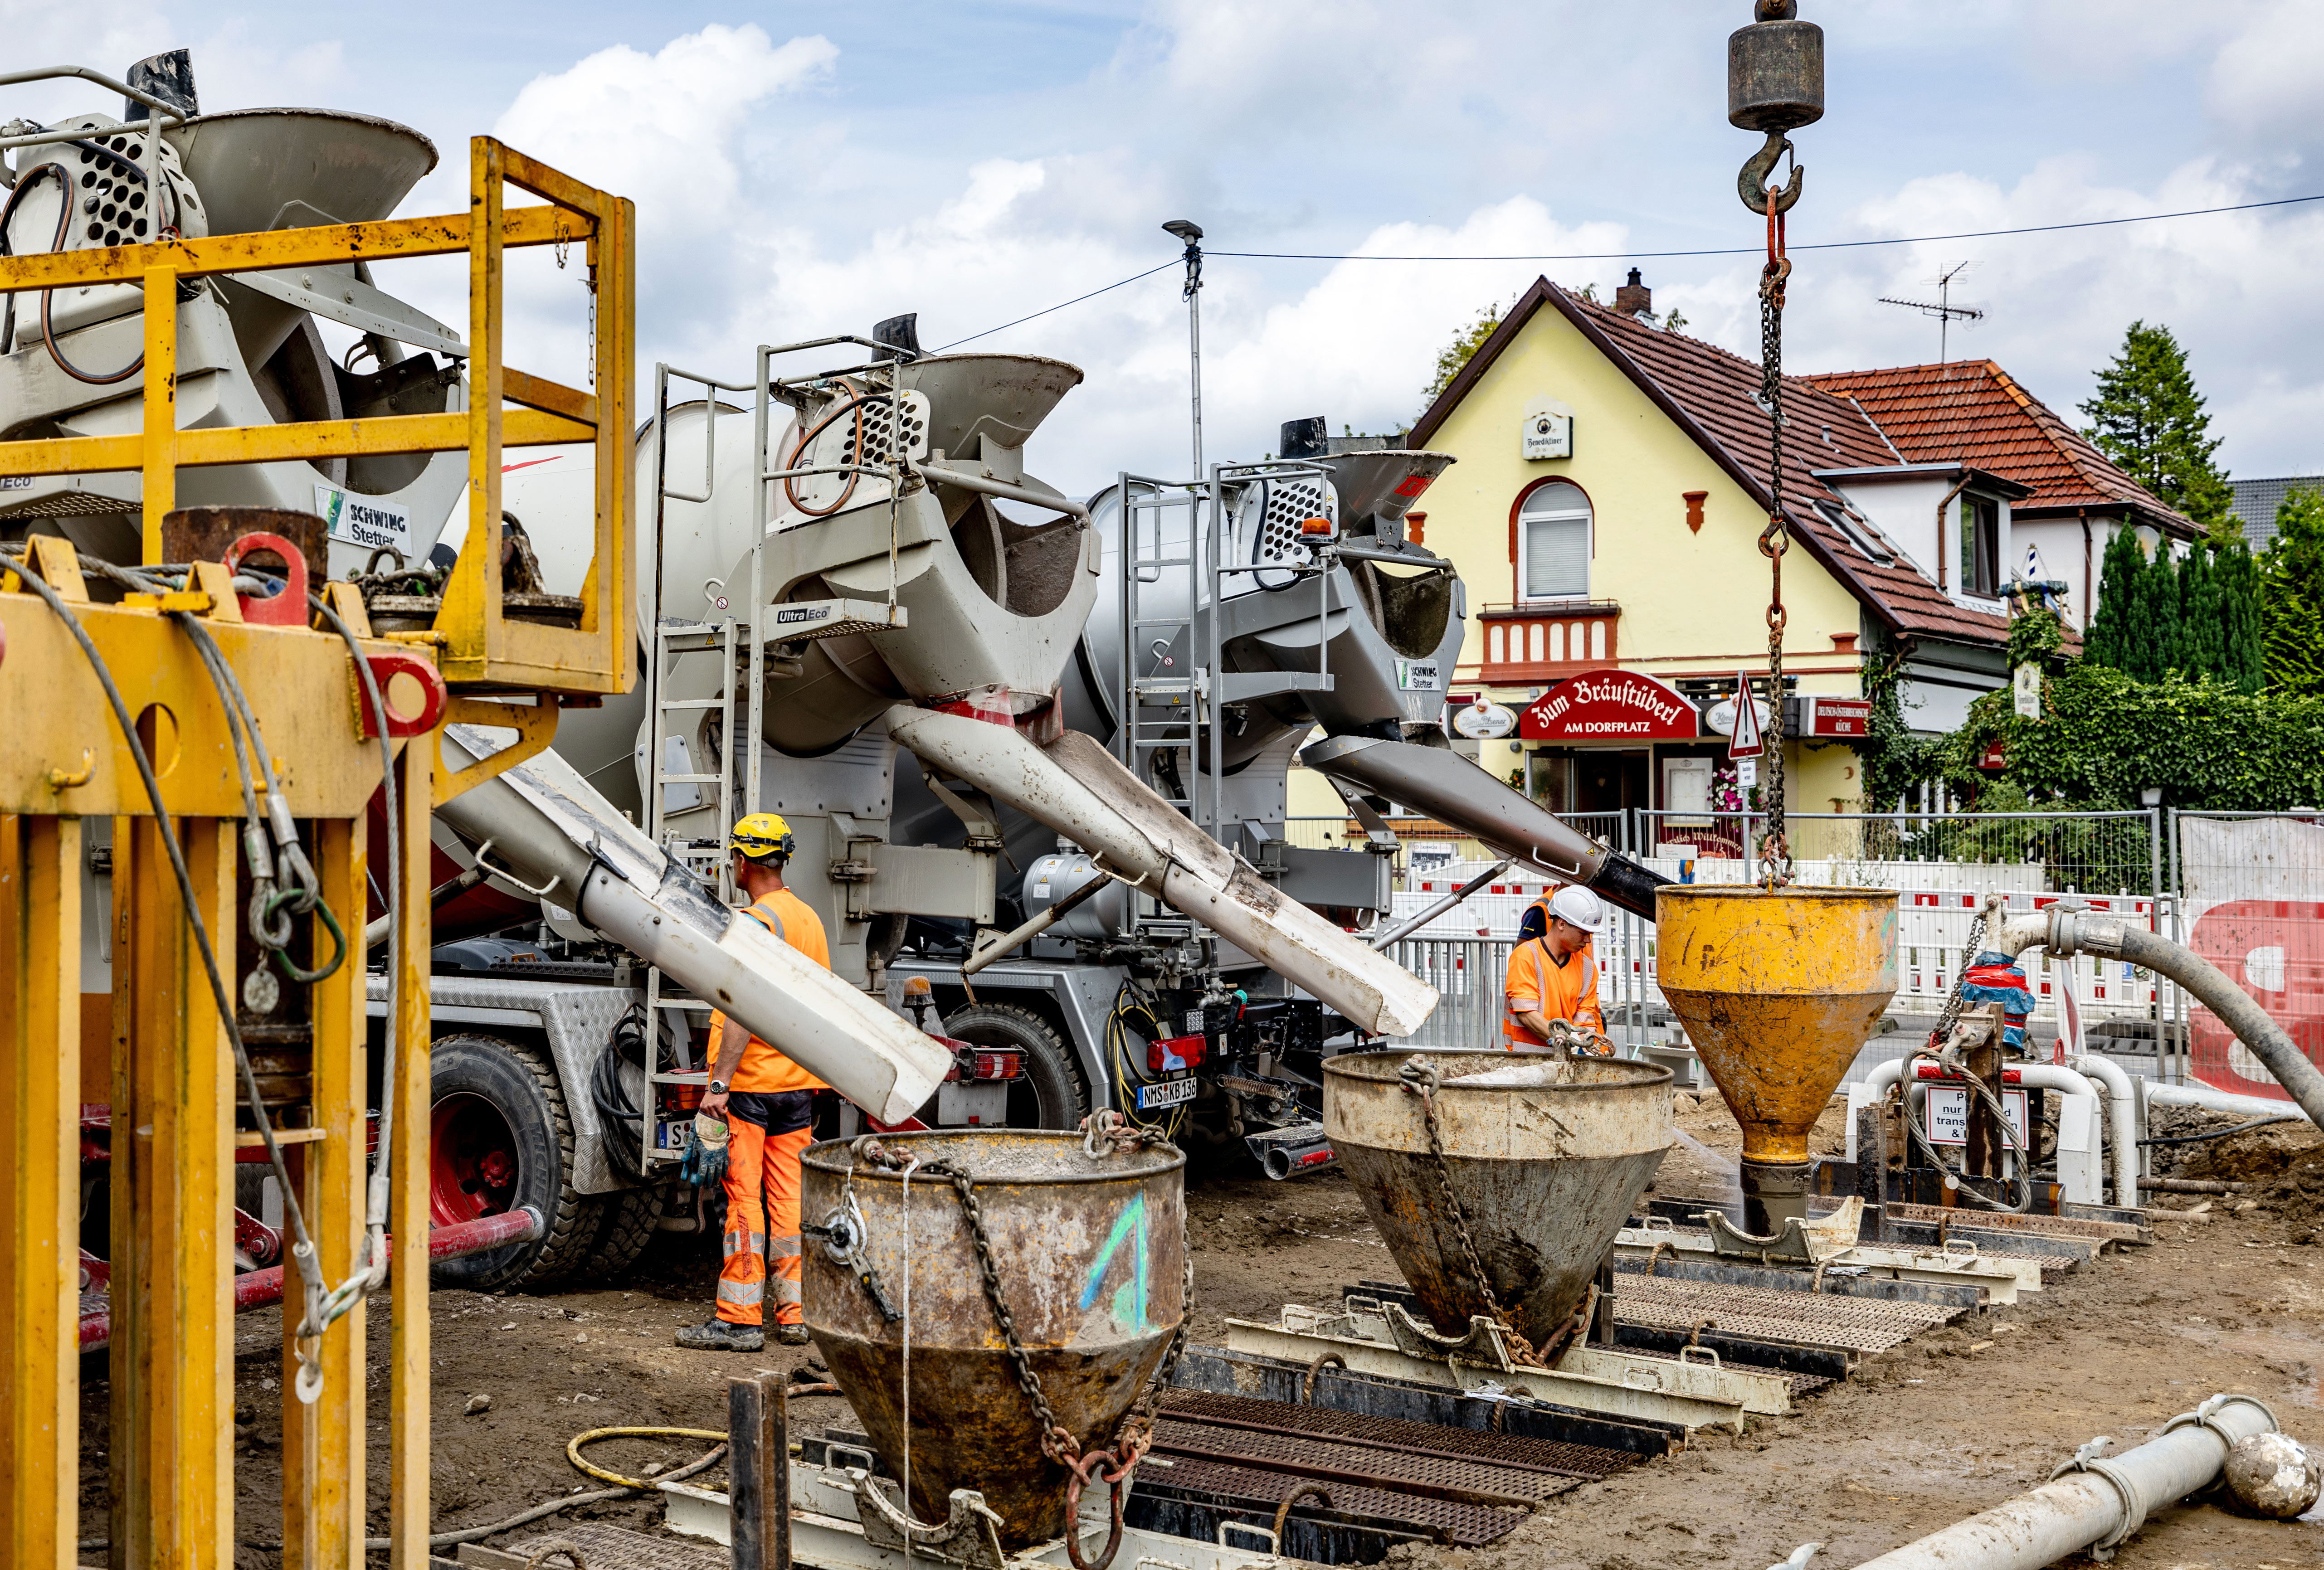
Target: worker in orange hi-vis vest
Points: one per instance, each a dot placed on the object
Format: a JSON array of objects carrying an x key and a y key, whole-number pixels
[
  {"x": 769, "y": 1104},
  {"x": 1554, "y": 976}
]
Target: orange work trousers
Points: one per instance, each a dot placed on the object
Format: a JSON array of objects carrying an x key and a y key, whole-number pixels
[{"x": 762, "y": 1169}]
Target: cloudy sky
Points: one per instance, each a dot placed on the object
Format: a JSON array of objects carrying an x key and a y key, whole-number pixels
[{"x": 803, "y": 170}]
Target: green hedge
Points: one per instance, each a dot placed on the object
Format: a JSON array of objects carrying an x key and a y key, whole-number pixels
[{"x": 2104, "y": 738}]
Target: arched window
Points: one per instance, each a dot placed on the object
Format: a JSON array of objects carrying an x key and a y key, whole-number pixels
[{"x": 1553, "y": 543}]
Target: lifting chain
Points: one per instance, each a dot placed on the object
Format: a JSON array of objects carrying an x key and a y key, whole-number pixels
[
  {"x": 1775, "y": 846},
  {"x": 1103, "y": 1132},
  {"x": 1421, "y": 1079}
]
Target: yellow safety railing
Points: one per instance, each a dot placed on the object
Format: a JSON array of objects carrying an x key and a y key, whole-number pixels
[{"x": 476, "y": 647}]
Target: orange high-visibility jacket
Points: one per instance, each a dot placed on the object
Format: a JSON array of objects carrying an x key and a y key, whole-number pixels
[
  {"x": 1538, "y": 984},
  {"x": 763, "y": 1069}
]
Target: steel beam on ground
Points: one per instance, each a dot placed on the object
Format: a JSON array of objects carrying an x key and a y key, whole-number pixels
[{"x": 40, "y": 1190}]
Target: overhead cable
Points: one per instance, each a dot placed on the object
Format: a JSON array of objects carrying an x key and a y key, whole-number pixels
[
  {"x": 1754, "y": 251},
  {"x": 1647, "y": 255}
]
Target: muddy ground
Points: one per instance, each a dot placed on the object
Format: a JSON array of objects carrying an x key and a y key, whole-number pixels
[{"x": 2229, "y": 1298}]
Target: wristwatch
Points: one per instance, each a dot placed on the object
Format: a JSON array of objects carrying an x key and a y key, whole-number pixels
[{"x": 718, "y": 1086}]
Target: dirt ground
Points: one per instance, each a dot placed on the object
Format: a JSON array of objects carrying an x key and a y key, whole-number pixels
[{"x": 2229, "y": 1298}]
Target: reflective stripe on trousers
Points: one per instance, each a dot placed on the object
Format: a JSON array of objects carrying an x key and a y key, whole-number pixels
[{"x": 762, "y": 1170}]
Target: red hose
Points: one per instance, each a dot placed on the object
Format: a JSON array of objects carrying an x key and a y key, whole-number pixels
[{"x": 257, "y": 1288}]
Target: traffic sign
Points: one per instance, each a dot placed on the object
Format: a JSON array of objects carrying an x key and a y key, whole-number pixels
[{"x": 1745, "y": 740}]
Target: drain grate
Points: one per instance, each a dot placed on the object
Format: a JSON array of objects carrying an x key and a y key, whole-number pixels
[
  {"x": 1860, "y": 1324},
  {"x": 1260, "y": 1491},
  {"x": 1469, "y": 1445}
]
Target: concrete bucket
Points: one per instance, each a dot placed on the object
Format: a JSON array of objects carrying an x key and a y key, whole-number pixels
[
  {"x": 1090, "y": 1255},
  {"x": 1777, "y": 989},
  {"x": 1544, "y": 1158}
]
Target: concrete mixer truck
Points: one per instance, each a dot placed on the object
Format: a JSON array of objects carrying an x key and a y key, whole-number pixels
[{"x": 850, "y": 564}]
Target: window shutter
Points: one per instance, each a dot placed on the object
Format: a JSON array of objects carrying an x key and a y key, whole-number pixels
[{"x": 1557, "y": 558}]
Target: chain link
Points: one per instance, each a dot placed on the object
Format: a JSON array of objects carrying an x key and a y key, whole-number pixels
[
  {"x": 1102, "y": 1130},
  {"x": 1422, "y": 1080},
  {"x": 1775, "y": 846}
]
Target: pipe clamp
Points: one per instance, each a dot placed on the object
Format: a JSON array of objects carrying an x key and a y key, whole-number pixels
[
  {"x": 2206, "y": 1416},
  {"x": 2133, "y": 1504}
]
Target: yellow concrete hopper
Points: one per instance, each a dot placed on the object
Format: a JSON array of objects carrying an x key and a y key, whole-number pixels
[{"x": 1777, "y": 989}]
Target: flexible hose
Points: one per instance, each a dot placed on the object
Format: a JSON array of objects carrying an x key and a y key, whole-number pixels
[{"x": 573, "y": 1450}]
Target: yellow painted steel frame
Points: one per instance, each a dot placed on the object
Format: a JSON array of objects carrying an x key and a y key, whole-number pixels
[
  {"x": 476, "y": 647},
  {"x": 174, "y": 1093}
]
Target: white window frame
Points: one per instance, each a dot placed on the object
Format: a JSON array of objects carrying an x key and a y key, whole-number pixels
[{"x": 1585, "y": 513}]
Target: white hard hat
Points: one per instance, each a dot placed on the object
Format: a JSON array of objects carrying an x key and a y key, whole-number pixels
[{"x": 1578, "y": 907}]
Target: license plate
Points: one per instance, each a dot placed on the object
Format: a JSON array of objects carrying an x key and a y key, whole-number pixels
[{"x": 1168, "y": 1093}]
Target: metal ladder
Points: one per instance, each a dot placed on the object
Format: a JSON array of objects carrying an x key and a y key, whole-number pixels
[
  {"x": 740, "y": 640},
  {"x": 1165, "y": 691}
]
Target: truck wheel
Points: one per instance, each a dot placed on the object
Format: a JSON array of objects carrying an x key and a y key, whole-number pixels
[
  {"x": 1050, "y": 1093},
  {"x": 501, "y": 1139},
  {"x": 630, "y": 1216}
]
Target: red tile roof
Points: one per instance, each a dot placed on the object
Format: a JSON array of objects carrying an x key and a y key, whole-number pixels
[
  {"x": 1711, "y": 395},
  {"x": 1972, "y": 412}
]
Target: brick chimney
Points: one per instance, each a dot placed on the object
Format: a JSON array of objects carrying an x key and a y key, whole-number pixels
[{"x": 1635, "y": 298}]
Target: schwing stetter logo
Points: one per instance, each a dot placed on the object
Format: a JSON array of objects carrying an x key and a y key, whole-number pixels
[{"x": 364, "y": 521}]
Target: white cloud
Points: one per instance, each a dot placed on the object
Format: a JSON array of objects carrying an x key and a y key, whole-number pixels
[{"x": 2264, "y": 81}]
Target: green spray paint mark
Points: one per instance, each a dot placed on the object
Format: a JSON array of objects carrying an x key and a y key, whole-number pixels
[{"x": 1128, "y": 1302}]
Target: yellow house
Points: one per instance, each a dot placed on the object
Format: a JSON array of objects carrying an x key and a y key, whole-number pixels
[{"x": 1605, "y": 514}]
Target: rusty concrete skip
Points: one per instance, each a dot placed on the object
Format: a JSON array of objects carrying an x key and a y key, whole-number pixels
[
  {"x": 1546, "y": 1175},
  {"x": 1091, "y": 1257}
]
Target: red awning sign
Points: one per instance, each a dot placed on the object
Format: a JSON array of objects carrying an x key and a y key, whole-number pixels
[
  {"x": 1839, "y": 717},
  {"x": 1610, "y": 705}
]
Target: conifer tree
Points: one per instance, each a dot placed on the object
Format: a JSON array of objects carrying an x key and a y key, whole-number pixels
[
  {"x": 2291, "y": 574},
  {"x": 2108, "y": 640},
  {"x": 2202, "y": 651},
  {"x": 2158, "y": 651},
  {"x": 2147, "y": 416},
  {"x": 2243, "y": 647}
]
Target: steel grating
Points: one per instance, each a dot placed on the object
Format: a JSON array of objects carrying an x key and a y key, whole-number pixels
[
  {"x": 2033, "y": 1225},
  {"x": 1859, "y": 1323},
  {"x": 607, "y": 1547},
  {"x": 1254, "y": 1488},
  {"x": 1401, "y": 1434}
]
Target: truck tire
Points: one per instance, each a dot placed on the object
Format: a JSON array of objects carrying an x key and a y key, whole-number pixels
[
  {"x": 629, "y": 1218},
  {"x": 1050, "y": 1094},
  {"x": 501, "y": 1139}
]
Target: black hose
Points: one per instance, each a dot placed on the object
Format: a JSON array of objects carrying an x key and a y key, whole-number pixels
[{"x": 615, "y": 1111}]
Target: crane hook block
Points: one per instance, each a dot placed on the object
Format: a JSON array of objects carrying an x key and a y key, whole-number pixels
[{"x": 1774, "y": 84}]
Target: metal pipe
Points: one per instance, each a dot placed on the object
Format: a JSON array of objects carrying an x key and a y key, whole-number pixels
[
  {"x": 2065, "y": 932},
  {"x": 261, "y": 1288},
  {"x": 945, "y": 474},
  {"x": 1009, "y": 942},
  {"x": 1959, "y": 486},
  {"x": 2091, "y": 1502},
  {"x": 2122, "y": 1122},
  {"x": 2160, "y": 1093},
  {"x": 1414, "y": 923}
]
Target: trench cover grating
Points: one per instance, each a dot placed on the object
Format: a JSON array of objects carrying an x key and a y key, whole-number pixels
[
  {"x": 1260, "y": 1491},
  {"x": 1466, "y": 1444},
  {"x": 1860, "y": 1324}
]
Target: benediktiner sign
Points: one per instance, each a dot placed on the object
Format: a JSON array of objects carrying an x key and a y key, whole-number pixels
[{"x": 1610, "y": 705}]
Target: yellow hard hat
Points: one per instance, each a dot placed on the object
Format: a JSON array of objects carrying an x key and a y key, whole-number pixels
[{"x": 762, "y": 837}]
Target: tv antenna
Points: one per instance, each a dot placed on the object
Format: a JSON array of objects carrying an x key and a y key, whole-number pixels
[{"x": 1944, "y": 310}]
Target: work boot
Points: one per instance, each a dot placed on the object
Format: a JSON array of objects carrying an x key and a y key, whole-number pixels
[
  {"x": 718, "y": 1336},
  {"x": 792, "y": 1335}
]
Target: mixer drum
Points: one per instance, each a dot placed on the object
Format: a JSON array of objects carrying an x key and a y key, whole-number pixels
[
  {"x": 1092, "y": 1257},
  {"x": 1545, "y": 1174}
]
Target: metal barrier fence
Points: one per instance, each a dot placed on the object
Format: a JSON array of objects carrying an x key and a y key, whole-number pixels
[
  {"x": 1942, "y": 867},
  {"x": 2250, "y": 901}
]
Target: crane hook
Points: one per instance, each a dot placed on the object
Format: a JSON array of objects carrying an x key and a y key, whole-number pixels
[{"x": 1751, "y": 184}]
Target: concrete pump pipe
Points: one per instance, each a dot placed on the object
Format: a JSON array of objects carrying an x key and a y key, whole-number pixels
[
  {"x": 546, "y": 825},
  {"x": 2083, "y": 1077},
  {"x": 1076, "y": 788},
  {"x": 2089, "y": 1502},
  {"x": 2064, "y": 932}
]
